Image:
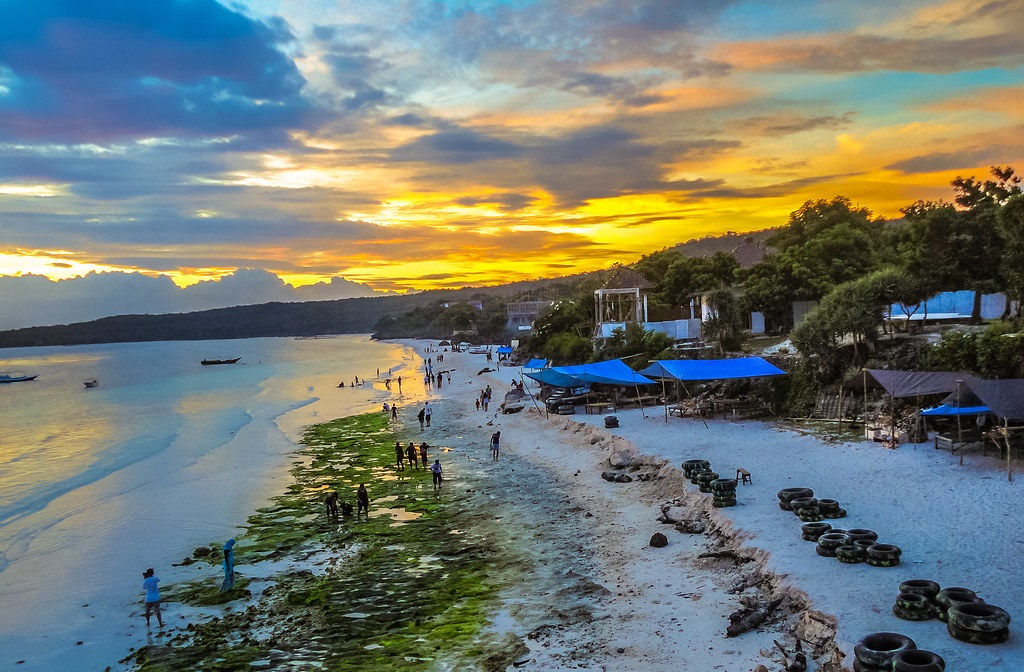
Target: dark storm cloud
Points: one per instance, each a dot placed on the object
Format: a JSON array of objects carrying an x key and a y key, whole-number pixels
[
  {"x": 96, "y": 71},
  {"x": 506, "y": 202},
  {"x": 960, "y": 160},
  {"x": 458, "y": 146}
]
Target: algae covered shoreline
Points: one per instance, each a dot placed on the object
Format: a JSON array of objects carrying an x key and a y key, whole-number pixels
[{"x": 409, "y": 586}]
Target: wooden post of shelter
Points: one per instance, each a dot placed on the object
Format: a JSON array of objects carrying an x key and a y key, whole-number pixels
[
  {"x": 1009, "y": 453},
  {"x": 959, "y": 428}
]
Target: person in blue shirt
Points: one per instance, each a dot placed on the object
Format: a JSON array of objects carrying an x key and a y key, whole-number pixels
[
  {"x": 150, "y": 585},
  {"x": 229, "y": 566}
]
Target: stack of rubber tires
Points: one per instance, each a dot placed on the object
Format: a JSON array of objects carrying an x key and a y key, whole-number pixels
[
  {"x": 801, "y": 501},
  {"x": 967, "y": 617},
  {"x": 893, "y": 652},
  {"x": 611, "y": 422},
  {"x": 851, "y": 546},
  {"x": 704, "y": 478},
  {"x": 723, "y": 492},
  {"x": 691, "y": 467}
]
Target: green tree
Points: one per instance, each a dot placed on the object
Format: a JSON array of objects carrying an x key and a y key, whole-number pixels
[
  {"x": 632, "y": 341},
  {"x": 1011, "y": 228}
]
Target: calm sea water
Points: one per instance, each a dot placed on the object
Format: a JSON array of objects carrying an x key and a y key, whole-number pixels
[{"x": 106, "y": 480}]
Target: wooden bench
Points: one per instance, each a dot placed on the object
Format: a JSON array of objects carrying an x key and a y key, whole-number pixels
[{"x": 743, "y": 476}]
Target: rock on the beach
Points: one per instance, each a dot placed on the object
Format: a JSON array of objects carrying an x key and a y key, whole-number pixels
[
  {"x": 674, "y": 514},
  {"x": 659, "y": 540},
  {"x": 620, "y": 459},
  {"x": 691, "y": 526}
]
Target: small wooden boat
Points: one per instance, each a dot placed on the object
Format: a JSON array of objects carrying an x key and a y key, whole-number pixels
[
  {"x": 15, "y": 377},
  {"x": 211, "y": 362},
  {"x": 92, "y": 383}
]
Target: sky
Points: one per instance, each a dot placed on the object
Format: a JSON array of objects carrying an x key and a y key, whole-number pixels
[{"x": 176, "y": 153}]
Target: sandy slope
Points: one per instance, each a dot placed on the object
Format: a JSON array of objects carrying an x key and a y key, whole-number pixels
[{"x": 615, "y": 603}]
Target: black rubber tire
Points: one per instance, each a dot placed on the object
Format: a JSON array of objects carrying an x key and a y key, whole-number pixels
[
  {"x": 878, "y": 648},
  {"x": 913, "y": 602},
  {"x": 723, "y": 485},
  {"x": 704, "y": 478},
  {"x": 828, "y": 505},
  {"x": 862, "y": 667},
  {"x": 922, "y": 587},
  {"x": 864, "y": 543},
  {"x": 728, "y": 501},
  {"x": 690, "y": 466},
  {"x": 723, "y": 505},
  {"x": 803, "y": 503},
  {"x": 789, "y": 494},
  {"x": 816, "y": 529},
  {"x": 884, "y": 552},
  {"x": 841, "y": 513},
  {"x": 833, "y": 540},
  {"x": 858, "y": 533},
  {"x": 978, "y": 616},
  {"x": 809, "y": 515},
  {"x": 850, "y": 555},
  {"x": 874, "y": 562},
  {"x": 976, "y": 636},
  {"x": 918, "y": 660},
  {"x": 824, "y": 552},
  {"x": 953, "y": 595},
  {"x": 785, "y": 506},
  {"x": 912, "y": 615}
]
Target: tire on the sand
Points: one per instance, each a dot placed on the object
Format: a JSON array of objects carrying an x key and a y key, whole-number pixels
[
  {"x": 863, "y": 667},
  {"x": 910, "y": 615},
  {"x": 832, "y": 515},
  {"x": 830, "y": 541},
  {"x": 809, "y": 515},
  {"x": 798, "y": 503},
  {"x": 918, "y": 660},
  {"x": 922, "y": 587},
  {"x": 913, "y": 602},
  {"x": 883, "y": 555},
  {"x": 828, "y": 505},
  {"x": 690, "y": 466},
  {"x": 978, "y": 616},
  {"x": 977, "y": 636},
  {"x": 789, "y": 494},
  {"x": 722, "y": 504},
  {"x": 811, "y": 531},
  {"x": 879, "y": 648},
  {"x": 723, "y": 485},
  {"x": 850, "y": 554},
  {"x": 860, "y": 533},
  {"x": 947, "y": 597}
]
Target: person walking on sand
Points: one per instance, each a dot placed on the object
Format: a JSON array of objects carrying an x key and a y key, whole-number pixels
[
  {"x": 435, "y": 469},
  {"x": 229, "y": 566},
  {"x": 400, "y": 455},
  {"x": 399, "y": 384},
  {"x": 478, "y": 403},
  {"x": 362, "y": 500},
  {"x": 427, "y": 412},
  {"x": 150, "y": 585},
  {"x": 410, "y": 452},
  {"x": 423, "y": 453},
  {"x": 394, "y": 411},
  {"x": 420, "y": 416},
  {"x": 495, "y": 441}
]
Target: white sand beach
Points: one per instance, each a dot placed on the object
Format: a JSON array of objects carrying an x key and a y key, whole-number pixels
[
  {"x": 667, "y": 609},
  {"x": 600, "y": 597}
]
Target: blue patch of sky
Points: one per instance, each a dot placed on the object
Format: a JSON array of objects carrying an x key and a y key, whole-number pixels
[{"x": 777, "y": 18}]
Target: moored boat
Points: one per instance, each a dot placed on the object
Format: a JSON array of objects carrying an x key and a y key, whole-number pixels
[
  {"x": 16, "y": 377},
  {"x": 210, "y": 362},
  {"x": 92, "y": 383}
]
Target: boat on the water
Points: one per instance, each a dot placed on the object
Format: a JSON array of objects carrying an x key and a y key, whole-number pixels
[
  {"x": 210, "y": 362},
  {"x": 92, "y": 383},
  {"x": 15, "y": 377}
]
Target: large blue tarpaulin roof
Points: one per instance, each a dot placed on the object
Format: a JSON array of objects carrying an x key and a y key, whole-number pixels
[
  {"x": 611, "y": 372},
  {"x": 712, "y": 369},
  {"x": 536, "y": 364},
  {"x": 953, "y": 409}
]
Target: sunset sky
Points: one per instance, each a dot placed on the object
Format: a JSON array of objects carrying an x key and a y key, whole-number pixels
[{"x": 421, "y": 144}]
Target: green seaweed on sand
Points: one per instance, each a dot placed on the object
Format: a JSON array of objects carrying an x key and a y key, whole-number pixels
[{"x": 408, "y": 586}]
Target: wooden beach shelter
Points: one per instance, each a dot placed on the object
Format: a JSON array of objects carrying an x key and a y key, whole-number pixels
[
  {"x": 693, "y": 370},
  {"x": 1006, "y": 399}
]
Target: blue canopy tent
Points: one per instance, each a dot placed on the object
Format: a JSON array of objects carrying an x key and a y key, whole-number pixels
[
  {"x": 1006, "y": 399},
  {"x": 962, "y": 402},
  {"x": 712, "y": 369},
  {"x": 536, "y": 364},
  {"x": 709, "y": 369},
  {"x": 610, "y": 372}
]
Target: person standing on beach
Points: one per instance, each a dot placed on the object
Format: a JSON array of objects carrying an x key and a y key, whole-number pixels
[
  {"x": 410, "y": 452},
  {"x": 400, "y": 455},
  {"x": 150, "y": 585},
  {"x": 229, "y": 566},
  {"x": 495, "y": 441},
  {"x": 423, "y": 453},
  {"x": 394, "y": 411},
  {"x": 420, "y": 416},
  {"x": 427, "y": 412},
  {"x": 435, "y": 469},
  {"x": 478, "y": 403},
  {"x": 399, "y": 384},
  {"x": 362, "y": 500}
]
